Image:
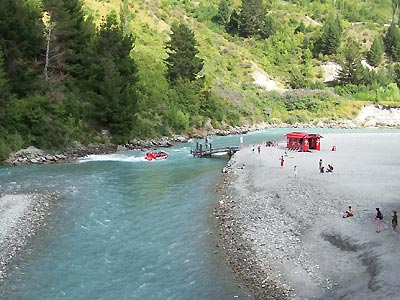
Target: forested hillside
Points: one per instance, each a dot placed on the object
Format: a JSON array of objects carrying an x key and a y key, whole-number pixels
[{"x": 107, "y": 70}]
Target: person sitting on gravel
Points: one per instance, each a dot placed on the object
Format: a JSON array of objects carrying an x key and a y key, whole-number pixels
[{"x": 348, "y": 213}]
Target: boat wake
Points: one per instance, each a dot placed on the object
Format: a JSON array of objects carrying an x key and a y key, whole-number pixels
[{"x": 112, "y": 157}]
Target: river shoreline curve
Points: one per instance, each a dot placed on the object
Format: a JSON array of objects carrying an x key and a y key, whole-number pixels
[
  {"x": 370, "y": 116},
  {"x": 283, "y": 231},
  {"x": 22, "y": 214}
]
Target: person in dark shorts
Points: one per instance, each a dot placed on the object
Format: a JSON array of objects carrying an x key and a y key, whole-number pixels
[
  {"x": 394, "y": 220},
  {"x": 378, "y": 219}
]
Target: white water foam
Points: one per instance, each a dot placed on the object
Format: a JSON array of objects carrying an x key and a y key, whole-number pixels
[{"x": 112, "y": 157}]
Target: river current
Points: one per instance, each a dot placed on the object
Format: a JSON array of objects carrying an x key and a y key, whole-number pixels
[{"x": 124, "y": 228}]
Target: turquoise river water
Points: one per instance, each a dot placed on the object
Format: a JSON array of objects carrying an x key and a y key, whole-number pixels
[{"x": 126, "y": 228}]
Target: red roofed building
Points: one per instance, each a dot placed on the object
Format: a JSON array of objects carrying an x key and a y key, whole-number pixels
[{"x": 303, "y": 141}]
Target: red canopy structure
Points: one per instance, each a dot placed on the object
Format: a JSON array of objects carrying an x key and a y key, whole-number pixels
[{"x": 303, "y": 141}]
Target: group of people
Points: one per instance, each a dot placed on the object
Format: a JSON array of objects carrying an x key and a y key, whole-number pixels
[
  {"x": 322, "y": 168},
  {"x": 378, "y": 218},
  {"x": 271, "y": 144},
  {"x": 253, "y": 148}
]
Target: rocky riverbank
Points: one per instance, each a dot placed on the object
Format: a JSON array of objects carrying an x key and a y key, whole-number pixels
[
  {"x": 370, "y": 116},
  {"x": 283, "y": 231},
  {"x": 239, "y": 253},
  {"x": 21, "y": 215},
  {"x": 33, "y": 155}
]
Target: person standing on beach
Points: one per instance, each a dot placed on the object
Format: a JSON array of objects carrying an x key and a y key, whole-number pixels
[
  {"x": 282, "y": 161},
  {"x": 378, "y": 219},
  {"x": 295, "y": 171},
  {"x": 259, "y": 149},
  {"x": 394, "y": 221},
  {"x": 320, "y": 164}
]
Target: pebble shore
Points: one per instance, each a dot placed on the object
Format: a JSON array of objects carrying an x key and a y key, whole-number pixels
[
  {"x": 284, "y": 234},
  {"x": 233, "y": 220},
  {"x": 22, "y": 215}
]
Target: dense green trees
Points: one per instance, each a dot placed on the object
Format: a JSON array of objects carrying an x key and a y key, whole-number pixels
[
  {"x": 65, "y": 78},
  {"x": 183, "y": 71},
  {"x": 4, "y": 106},
  {"x": 232, "y": 27},
  {"x": 4, "y": 85},
  {"x": 252, "y": 21},
  {"x": 183, "y": 61},
  {"x": 69, "y": 86},
  {"x": 110, "y": 75},
  {"x": 224, "y": 13},
  {"x": 68, "y": 32},
  {"x": 21, "y": 40}
]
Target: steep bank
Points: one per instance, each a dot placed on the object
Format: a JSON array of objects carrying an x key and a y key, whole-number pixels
[{"x": 285, "y": 235}]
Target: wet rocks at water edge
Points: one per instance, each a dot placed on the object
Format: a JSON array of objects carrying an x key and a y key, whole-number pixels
[
  {"x": 22, "y": 214},
  {"x": 33, "y": 155}
]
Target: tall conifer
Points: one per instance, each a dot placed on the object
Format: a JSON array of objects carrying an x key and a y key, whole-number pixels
[
  {"x": 183, "y": 60},
  {"x": 331, "y": 36},
  {"x": 392, "y": 42},
  {"x": 69, "y": 36},
  {"x": 232, "y": 27},
  {"x": 376, "y": 51},
  {"x": 352, "y": 71},
  {"x": 21, "y": 40},
  {"x": 224, "y": 12},
  {"x": 252, "y": 15},
  {"x": 111, "y": 76}
]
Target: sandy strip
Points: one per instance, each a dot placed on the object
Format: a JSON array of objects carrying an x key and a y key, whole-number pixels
[
  {"x": 21, "y": 215},
  {"x": 285, "y": 236}
]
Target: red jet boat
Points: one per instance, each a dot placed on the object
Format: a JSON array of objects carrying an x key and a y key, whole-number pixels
[{"x": 156, "y": 155}]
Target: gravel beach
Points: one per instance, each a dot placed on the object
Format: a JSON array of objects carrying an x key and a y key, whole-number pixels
[
  {"x": 21, "y": 215},
  {"x": 285, "y": 235}
]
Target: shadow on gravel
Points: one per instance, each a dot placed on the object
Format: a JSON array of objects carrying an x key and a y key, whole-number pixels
[{"x": 368, "y": 258}]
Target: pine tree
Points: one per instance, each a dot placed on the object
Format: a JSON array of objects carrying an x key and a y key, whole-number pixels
[
  {"x": 69, "y": 35},
  {"x": 376, "y": 51},
  {"x": 4, "y": 85},
  {"x": 251, "y": 19},
  {"x": 183, "y": 60},
  {"x": 111, "y": 78},
  {"x": 331, "y": 36},
  {"x": 394, "y": 7},
  {"x": 392, "y": 42},
  {"x": 126, "y": 17},
  {"x": 224, "y": 11},
  {"x": 232, "y": 27},
  {"x": 398, "y": 20},
  {"x": 21, "y": 40},
  {"x": 4, "y": 95},
  {"x": 352, "y": 72},
  {"x": 267, "y": 27}
]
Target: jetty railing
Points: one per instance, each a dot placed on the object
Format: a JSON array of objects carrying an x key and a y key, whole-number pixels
[{"x": 208, "y": 150}]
